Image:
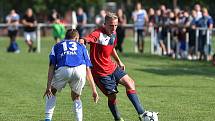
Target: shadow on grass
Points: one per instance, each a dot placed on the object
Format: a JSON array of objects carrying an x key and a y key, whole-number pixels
[
  {"x": 170, "y": 67},
  {"x": 143, "y": 56},
  {"x": 177, "y": 71}
]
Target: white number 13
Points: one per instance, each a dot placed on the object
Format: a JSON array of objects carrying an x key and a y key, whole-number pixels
[{"x": 71, "y": 46}]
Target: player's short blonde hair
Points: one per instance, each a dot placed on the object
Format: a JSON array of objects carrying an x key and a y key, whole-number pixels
[{"x": 110, "y": 16}]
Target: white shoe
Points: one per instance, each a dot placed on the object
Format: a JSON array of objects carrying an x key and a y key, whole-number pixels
[{"x": 189, "y": 57}]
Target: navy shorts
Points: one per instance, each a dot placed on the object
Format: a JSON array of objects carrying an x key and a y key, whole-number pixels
[{"x": 108, "y": 84}]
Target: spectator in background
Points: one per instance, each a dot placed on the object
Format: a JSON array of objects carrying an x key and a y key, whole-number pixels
[
  {"x": 157, "y": 30},
  {"x": 82, "y": 20},
  {"x": 184, "y": 23},
  {"x": 13, "y": 22},
  {"x": 206, "y": 22},
  {"x": 54, "y": 14},
  {"x": 192, "y": 36},
  {"x": 163, "y": 21},
  {"x": 100, "y": 18},
  {"x": 120, "y": 30},
  {"x": 58, "y": 30},
  {"x": 139, "y": 17},
  {"x": 29, "y": 22},
  {"x": 151, "y": 14},
  {"x": 70, "y": 18},
  {"x": 197, "y": 8}
]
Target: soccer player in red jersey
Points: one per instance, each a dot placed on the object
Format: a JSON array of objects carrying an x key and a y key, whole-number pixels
[{"x": 108, "y": 74}]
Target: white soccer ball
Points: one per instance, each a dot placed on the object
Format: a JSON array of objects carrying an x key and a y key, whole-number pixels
[{"x": 151, "y": 116}]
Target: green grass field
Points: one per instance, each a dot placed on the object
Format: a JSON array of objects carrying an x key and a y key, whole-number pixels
[{"x": 179, "y": 90}]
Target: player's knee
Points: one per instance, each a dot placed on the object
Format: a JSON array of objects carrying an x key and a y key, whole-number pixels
[
  {"x": 129, "y": 84},
  {"x": 75, "y": 96}
]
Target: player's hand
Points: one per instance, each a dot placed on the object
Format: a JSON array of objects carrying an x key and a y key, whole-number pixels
[
  {"x": 122, "y": 66},
  {"x": 31, "y": 25},
  {"x": 95, "y": 96},
  {"x": 48, "y": 93},
  {"x": 81, "y": 41}
]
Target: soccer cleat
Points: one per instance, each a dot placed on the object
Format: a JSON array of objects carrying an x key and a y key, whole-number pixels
[
  {"x": 121, "y": 119},
  {"x": 149, "y": 116},
  {"x": 34, "y": 49}
]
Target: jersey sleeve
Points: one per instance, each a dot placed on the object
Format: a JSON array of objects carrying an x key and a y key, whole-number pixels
[
  {"x": 92, "y": 37},
  {"x": 52, "y": 57},
  {"x": 210, "y": 21},
  {"x": 86, "y": 56}
]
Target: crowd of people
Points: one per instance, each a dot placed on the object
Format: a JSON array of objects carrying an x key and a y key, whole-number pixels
[
  {"x": 177, "y": 23},
  {"x": 163, "y": 20}
]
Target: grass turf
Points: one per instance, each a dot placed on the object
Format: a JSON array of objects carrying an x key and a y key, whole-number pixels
[{"x": 179, "y": 90}]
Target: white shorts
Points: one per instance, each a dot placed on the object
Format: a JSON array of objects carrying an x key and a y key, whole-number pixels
[
  {"x": 30, "y": 36},
  {"x": 75, "y": 76}
]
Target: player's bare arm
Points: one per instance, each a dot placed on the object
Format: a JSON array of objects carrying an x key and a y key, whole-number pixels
[
  {"x": 48, "y": 91},
  {"x": 117, "y": 59},
  {"x": 25, "y": 23},
  {"x": 92, "y": 85}
]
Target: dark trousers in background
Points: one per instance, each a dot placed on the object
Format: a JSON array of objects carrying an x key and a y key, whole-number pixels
[
  {"x": 120, "y": 38},
  {"x": 140, "y": 40},
  {"x": 13, "y": 47}
]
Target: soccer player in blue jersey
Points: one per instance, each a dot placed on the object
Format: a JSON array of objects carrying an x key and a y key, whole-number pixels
[{"x": 69, "y": 63}]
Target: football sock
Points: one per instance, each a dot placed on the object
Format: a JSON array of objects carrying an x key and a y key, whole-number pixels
[
  {"x": 113, "y": 108},
  {"x": 135, "y": 101},
  {"x": 50, "y": 105},
  {"x": 77, "y": 108}
]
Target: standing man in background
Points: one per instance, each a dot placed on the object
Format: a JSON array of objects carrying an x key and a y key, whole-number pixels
[
  {"x": 139, "y": 17},
  {"x": 120, "y": 30},
  {"x": 206, "y": 22},
  {"x": 82, "y": 20},
  {"x": 13, "y": 25},
  {"x": 29, "y": 22}
]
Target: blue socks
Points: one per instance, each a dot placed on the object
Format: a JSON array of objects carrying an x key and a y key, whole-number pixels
[
  {"x": 113, "y": 108},
  {"x": 135, "y": 101}
]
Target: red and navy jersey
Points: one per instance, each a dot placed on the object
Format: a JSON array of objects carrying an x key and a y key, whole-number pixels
[
  {"x": 101, "y": 47},
  {"x": 69, "y": 53}
]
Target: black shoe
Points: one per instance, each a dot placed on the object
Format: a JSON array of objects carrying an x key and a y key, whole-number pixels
[{"x": 34, "y": 49}]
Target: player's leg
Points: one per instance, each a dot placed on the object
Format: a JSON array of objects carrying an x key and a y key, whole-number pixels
[
  {"x": 112, "y": 104},
  {"x": 77, "y": 106},
  {"x": 50, "y": 105},
  {"x": 138, "y": 40},
  {"x": 59, "y": 81},
  {"x": 126, "y": 81},
  {"x": 140, "y": 32},
  {"x": 28, "y": 41},
  {"x": 131, "y": 93},
  {"x": 108, "y": 86},
  {"x": 77, "y": 82},
  {"x": 33, "y": 40}
]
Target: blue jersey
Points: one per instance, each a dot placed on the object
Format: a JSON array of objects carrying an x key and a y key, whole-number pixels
[
  {"x": 205, "y": 21},
  {"x": 69, "y": 53}
]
